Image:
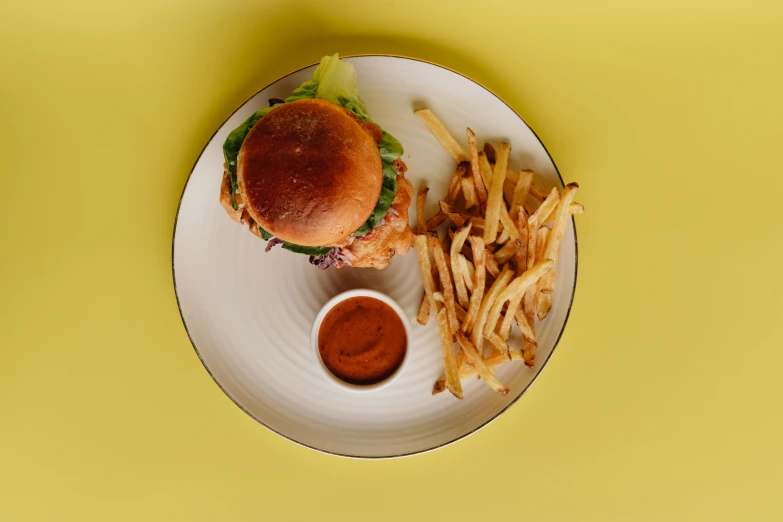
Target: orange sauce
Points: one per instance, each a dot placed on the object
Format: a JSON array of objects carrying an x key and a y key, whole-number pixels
[{"x": 362, "y": 340}]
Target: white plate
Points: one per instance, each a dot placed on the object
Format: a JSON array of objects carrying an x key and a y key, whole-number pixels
[{"x": 248, "y": 313}]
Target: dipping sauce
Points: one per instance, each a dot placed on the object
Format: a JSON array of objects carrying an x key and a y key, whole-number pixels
[{"x": 362, "y": 340}]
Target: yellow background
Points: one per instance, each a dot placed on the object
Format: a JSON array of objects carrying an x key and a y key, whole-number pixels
[{"x": 663, "y": 401}]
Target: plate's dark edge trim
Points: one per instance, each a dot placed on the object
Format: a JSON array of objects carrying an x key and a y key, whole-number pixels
[{"x": 382, "y": 457}]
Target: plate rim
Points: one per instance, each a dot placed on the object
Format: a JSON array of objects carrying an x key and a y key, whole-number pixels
[{"x": 345, "y": 455}]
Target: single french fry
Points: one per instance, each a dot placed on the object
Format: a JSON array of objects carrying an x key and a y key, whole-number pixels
[
  {"x": 469, "y": 192},
  {"x": 527, "y": 330},
  {"x": 479, "y": 255},
  {"x": 520, "y": 256},
  {"x": 479, "y": 328},
  {"x": 470, "y": 371},
  {"x": 456, "y": 267},
  {"x": 518, "y": 286},
  {"x": 508, "y": 223},
  {"x": 478, "y": 223},
  {"x": 423, "y": 316},
  {"x": 477, "y": 361},
  {"x": 553, "y": 245},
  {"x": 436, "y": 220},
  {"x": 461, "y": 313},
  {"x": 511, "y": 310},
  {"x": 467, "y": 274},
  {"x": 478, "y": 182},
  {"x": 449, "y": 359},
  {"x": 489, "y": 150},
  {"x": 537, "y": 192},
  {"x": 443, "y": 136},
  {"x": 529, "y": 308},
  {"x": 455, "y": 185},
  {"x": 574, "y": 208},
  {"x": 500, "y": 345},
  {"x": 491, "y": 264},
  {"x": 485, "y": 170},
  {"x": 425, "y": 267},
  {"x": 421, "y": 199},
  {"x": 521, "y": 190},
  {"x": 445, "y": 279},
  {"x": 452, "y": 213},
  {"x": 506, "y": 253},
  {"x": 503, "y": 237},
  {"x": 471, "y": 271},
  {"x": 543, "y": 297},
  {"x": 495, "y": 198},
  {"x": 549, "y": 204}
]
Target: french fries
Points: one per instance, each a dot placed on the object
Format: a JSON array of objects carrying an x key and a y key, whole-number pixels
[
  {"x": 495, "y": 198},
  {"x": 456, "y": 266},
  {"x": 423, "y": 316},
  {"x": 478, "y": 182},
  {"x": 517, "y": 287},
  {"x": 445, "y": 279},
  {"x": 521, "y": 190},
  {"x": 449, "y": 359},
  {"x": 553, "y": 246},
  {"x": 481, "y": 367},
  {"x": 469, "y": 193},
  {"x": 441, "y": 134},
  {"x": 479, "y": 257},
  {"x": 496, "y": 264},
  {"x": 543, "y": 295},
  {"x": 456, "y": 183},
  {"x": 421, "y": 198},
  {"x": 470, "y": 371},
  {"x": 486, "y": 304}
]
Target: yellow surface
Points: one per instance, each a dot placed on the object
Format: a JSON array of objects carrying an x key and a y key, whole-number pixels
[{"x": 663, "y": 401}]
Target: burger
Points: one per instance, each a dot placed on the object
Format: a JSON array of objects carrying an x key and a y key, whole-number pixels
[{"x": 314, "y": 174}]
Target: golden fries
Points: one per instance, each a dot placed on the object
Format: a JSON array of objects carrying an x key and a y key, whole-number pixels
[
  {"x": 553, "y": 246},
  {"x": 478, "y": 182},
  {"x": 469, "y": 192},
  {"x": 423, "y": 316},
  {"x": 445, "y": 279},
  {"x": 496, "y": 264},
  {"x": 421, "y": 198},
  {"x": 521, "y": 190},
  {"x": 478, "y": 362},
  {"x": 435, "y": 221},
  {"x": 518, "y": 286},
  {"x": 452, "y": 213},
  {"x": 479, "y": 256},
  {"x": 456, "y": 183},
  {"x": 495, "y": 198},
  {"x": 437, "y": 129},
  {"x": 543, "y": 295},
  {"x": 449, "y": 359},
  {"x": 456, "y": 266},
  {"x": 468, "y": 272},
  {"x": 486, "y": 304},
  {"x": 470, "y": 371},
  {"x": 492, "y": 264}
]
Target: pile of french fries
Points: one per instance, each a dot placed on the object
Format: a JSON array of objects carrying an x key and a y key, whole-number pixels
[{"x": 496, "y": 263}]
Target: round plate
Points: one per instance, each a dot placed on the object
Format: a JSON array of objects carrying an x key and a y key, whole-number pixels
[{"x": 248, "y": 313}]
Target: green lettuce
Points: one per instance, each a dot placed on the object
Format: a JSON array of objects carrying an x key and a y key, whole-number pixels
[{"x": 333, "y": 80}]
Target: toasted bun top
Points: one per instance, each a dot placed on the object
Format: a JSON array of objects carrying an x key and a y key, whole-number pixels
[{"x": 310, "y": 172}]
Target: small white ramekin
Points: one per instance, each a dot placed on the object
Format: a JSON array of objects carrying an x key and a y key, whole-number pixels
[{"x": 317, "y": 326}]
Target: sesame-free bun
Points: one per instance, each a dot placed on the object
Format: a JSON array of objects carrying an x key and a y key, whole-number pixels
[{"x": 310, "y": 172}]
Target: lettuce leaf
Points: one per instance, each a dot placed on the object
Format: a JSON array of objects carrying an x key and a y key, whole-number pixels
[
  {"x": 333, "y": 80},
  {"x": 299, "y": 249}
]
